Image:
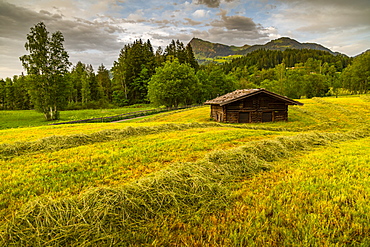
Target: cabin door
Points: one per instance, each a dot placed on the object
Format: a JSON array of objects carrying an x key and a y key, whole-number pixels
[
  {"x": 244, "y": 117},
  {"x": 267, "y": 117}
]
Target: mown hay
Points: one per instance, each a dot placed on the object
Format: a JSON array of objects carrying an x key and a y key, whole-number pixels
[
  {"x": 54, "y": 143},
  {"x": 109, "y": 216}
]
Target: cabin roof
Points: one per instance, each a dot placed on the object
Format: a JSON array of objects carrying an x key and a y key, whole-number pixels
[{"x": 245, "y": 93}]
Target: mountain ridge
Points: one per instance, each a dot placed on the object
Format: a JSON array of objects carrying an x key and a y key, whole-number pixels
[{"x": 205, "y": 49}]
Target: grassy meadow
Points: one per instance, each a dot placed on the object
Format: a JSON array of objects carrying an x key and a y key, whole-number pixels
[
  {"x": 31, "y": 118},
  {"x": 181, "y": 179}
]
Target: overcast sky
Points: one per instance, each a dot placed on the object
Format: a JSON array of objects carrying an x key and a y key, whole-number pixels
[{"x": 96, "y": 30}]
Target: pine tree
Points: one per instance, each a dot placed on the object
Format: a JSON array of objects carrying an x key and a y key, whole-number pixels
[
  {"x": 104, "y": 84},
  {"x": 190, "y": 58},
  {"x": 135, "y": 65},
  {"x": 2, "y": 94},
  {"x": 9, "y": 94}
]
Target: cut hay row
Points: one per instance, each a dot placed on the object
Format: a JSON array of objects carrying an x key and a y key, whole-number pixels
[
  {"x": 55, "y": 142},
  {"x": 109, "y": 216}
]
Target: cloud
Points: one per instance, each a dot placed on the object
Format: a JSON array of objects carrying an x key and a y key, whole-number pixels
[
  {"x": 212, "y": 3},
  {"x": 236, "y": 30},
  {"x": 81, "y": 36},
  {"x": 236, "y": 22},
  {"x": 201, "y": 13},
  {"x": 325, "y": 16},
  {"x": 192, "y": 22}
]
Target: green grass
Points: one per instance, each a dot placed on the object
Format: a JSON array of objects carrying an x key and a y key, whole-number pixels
[
  {"x": 31, "y": 118},
  {"x": 180, "y": 179}
]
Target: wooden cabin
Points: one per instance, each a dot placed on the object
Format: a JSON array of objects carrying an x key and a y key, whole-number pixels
[{"x": 250, "y": 106}]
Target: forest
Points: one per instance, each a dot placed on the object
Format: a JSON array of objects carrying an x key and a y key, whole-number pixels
[{"x": 172, "y": 77}]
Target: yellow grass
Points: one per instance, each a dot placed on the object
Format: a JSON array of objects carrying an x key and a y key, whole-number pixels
[{"x": 313, "y": 198}]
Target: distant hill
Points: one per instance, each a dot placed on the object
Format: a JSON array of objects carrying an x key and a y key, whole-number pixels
[{"x": 205, "y": 49}]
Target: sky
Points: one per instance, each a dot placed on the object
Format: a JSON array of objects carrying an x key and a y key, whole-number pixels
[{"x": 96, "y": 30}]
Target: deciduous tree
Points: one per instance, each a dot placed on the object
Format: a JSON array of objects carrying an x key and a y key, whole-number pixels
[
  {"x": 173, "y": 84},
  {"x": 47, "y": 63}
]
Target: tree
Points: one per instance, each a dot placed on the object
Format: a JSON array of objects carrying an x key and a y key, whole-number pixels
[
  {"x": 9, "y": 94},
  {"x": 134, "y": 62},
  {"x": 356, "y": 77},
  {"x": 190, "y": 58},
  {"x": 177, "y": 50},
  {"x": 21, "y": 96},
  {"x": 2, "y": 94},
  {"x": 173, "y": 84},
  {"x": 104, "y": 84},
  {"x": 47, "y": 63},
  {"x": 214, "y": 82}
]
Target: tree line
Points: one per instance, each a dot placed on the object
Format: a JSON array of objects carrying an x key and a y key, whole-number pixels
[
  {"x": 302, "y": 73},
  {"x": 169, "y": 76}
]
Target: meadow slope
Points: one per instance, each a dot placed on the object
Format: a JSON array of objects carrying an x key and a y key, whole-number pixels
[{"x": 178, "y": 179}]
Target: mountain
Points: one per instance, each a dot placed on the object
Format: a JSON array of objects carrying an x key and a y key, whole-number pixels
[{"x": 205, "y": 49}]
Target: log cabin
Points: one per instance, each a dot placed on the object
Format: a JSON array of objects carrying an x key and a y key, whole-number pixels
[{"x": 250, "y": 106}]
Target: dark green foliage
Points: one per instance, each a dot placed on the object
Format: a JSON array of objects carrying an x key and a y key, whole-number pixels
[
  {"x": 2, "y": 95},
  {"x": 173, "y": 84},
  {"x": 131, "y": 73},
  {"x": 103, "y": 90},
  {"x": 266, "y": 59},
  {"x": 213, "y": 82},
  {"x": 356, "y": 77},
  {"x": 14, "y": 94},
  {"x": 177, "y": 50}
]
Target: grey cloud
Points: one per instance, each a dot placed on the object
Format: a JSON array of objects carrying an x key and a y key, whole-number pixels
[
  {"x": 166, "y": 39},
  {"x": 336, "y": 3},
  {"x": 192, "y": 22},
  {"x": 231, "y": 37},
  {"x": 93, "y": 36},
  {"x": 235, "y": 30},
  {"x": 237, "y": 22},
  {"x": 317, "y": 16},
  {"x": 81, "y": 36},
  {"x": 16, "y": 21},
  {"x": 212, "y": 3}
]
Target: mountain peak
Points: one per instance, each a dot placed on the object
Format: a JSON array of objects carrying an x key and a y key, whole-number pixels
[{"x": 206, "y": 49}]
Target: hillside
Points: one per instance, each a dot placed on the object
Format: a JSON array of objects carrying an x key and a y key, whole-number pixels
[
  {"x": 180, "y": 179},
  {"x": 208, "y": 49},
  {"x": 205, "y": 49}
]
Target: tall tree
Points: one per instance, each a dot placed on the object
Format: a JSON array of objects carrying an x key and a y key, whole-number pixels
[
  {"x": 2, "y": 94},
  {"x": 131, "y": 72},
  {"x": 190, "y": 58},
  {"x": 47, "y": 63},
  {"x": 104, "y": 84},
  {"x": 22, "y": 98},
  {"x": 9, "y": 94},
  {"x": 177, "y": 50}
]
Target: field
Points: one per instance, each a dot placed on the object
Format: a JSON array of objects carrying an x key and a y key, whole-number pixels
[
  {"x": 180, "y": 179},
  {"x": 30, "y": 118}
]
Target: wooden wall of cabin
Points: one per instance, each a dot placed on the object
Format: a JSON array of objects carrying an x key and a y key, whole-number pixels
[
  {"x": 218, "y": 113},
  {"x": 260, "y": 108}
]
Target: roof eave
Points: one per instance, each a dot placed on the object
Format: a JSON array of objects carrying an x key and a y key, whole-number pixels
[{"x": 262, "y": 90}]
